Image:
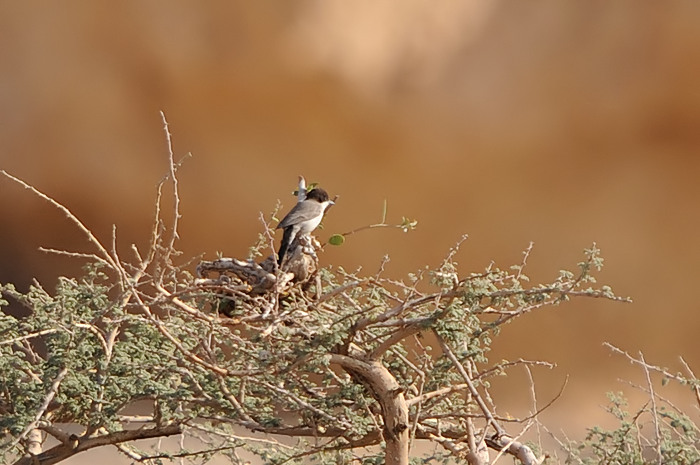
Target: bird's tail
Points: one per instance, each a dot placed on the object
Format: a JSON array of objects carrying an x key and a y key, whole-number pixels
[{"x": 284, "y": 246}]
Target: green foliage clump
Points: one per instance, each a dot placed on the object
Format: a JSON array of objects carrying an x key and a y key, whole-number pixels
[{"x": 646, "y": 436}]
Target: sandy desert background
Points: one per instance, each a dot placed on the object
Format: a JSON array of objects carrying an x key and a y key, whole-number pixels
[{"x": 561, "y": 123}]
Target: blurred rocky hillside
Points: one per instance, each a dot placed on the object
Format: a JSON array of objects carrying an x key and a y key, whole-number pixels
[{"x": 561, "y": 123}]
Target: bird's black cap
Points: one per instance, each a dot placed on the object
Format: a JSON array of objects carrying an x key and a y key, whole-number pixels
[{"x": 318, "y": 194}]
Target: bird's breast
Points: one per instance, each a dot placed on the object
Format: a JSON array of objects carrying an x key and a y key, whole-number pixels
[{"x": 309, "y": 225}]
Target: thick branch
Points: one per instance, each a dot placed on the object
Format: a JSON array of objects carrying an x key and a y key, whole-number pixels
[
  {"x": 390, "y": 396},
  {"x": 515, "y": 448},
  {"x": 63, "y": 451}
]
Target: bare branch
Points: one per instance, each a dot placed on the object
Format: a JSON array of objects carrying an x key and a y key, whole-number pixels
[
  {"x": 87, "y": 256},
  {"x": 645, "y": 365},
  {"x": 176, "y": 194}
]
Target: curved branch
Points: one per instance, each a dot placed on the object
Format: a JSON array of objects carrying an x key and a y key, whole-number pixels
[{"x": 389, "y": 394}]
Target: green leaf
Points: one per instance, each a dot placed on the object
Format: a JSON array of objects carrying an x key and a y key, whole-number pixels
[{"x": 336, "y": 239}]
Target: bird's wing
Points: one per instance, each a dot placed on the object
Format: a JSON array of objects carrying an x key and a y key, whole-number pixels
[{"x": 301, "y": 212}]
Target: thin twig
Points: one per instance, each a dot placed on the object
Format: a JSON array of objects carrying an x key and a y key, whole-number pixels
[
  {"x": 454, "y": 249},
  {"x": 526, "y": 255},
  {"x": 635, "y": 361},
  {"x": 91, "y": 237},
  {"x": 472, "y": 389},
  {"x": 176, "y": 195},
  {"x": 533, "y": 395},
  {"x": 90, "y": 256},
  {"x": 655, "y": 416},
  {"x": 696, "y": 386}
]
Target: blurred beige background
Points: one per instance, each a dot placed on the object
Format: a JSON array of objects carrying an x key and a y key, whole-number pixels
[{"x": 561, "y": 123}]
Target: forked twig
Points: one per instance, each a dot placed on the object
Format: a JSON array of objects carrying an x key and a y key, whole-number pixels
[{"x": 105, "y": 256}]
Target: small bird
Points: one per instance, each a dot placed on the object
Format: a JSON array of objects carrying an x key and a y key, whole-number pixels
[{"x": 303, "y": 218}]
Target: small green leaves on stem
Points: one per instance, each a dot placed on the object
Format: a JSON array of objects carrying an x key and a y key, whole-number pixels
[{"x": 405, "y": 225}]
